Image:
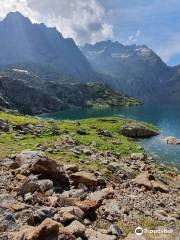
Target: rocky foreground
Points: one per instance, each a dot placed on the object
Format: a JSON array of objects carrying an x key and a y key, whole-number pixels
[{"x": 44, "y": 199}]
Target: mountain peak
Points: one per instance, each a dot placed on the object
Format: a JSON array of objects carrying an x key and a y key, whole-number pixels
[{"x": 15, "y": 16}]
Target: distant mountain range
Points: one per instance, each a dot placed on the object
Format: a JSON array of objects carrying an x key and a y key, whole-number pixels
[
  {"x": 136, "y": 70},
  {"x": 40, "y": 71}
]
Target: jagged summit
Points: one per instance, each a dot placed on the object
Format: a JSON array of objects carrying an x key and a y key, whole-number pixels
[
  {"x": 13, "y": 17},
  {"x": 137, "y": 69},
  {"x": 41, "y": 49}
]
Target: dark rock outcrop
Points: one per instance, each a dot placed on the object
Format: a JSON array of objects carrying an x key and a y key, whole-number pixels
[{"x": 138, "y": 131}]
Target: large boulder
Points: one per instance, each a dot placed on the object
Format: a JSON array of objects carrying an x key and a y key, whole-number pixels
[
  {"x": 138, "y": 156},
  {"x": 87, "y": 178},
  {"x": 24, "y": 159},
  {"x": 47, "y": 230},
  {"x": 71, "y": 167},
  {"x": 76, "y": 228},
  {"x": 70, "y": 213},
  {"x": 171, "y": 140},
  {"x": 4, "y": 126},
  {"x": 87, "y": 206},
  {"x": 27, "y": 157},
  {"x": 137, "y": 131},
  {"x": 50, "y": 169},
  {"x": 34, "y": 162},
  {"x": 31, "y": 184},
  {"x": 160, "y": 186},
  {"x": 64, "y": 234},
  {"x": 149, "y": 182},
  {"x": 114, "y": 166},
  {"x": 99, "y": 196},
  {"x": 144, "y": 179}
]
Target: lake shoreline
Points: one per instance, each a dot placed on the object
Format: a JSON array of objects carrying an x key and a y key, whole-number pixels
[{"x": 164, "y": 116}]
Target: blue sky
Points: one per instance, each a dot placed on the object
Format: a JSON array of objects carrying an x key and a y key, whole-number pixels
[{"x": 155, "y": 23}]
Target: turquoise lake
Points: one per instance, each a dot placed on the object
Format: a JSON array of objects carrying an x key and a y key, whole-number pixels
[{"x": 166, "y": 117}]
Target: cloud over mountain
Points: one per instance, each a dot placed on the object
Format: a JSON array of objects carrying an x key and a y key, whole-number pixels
[
  {"x": 82, "y": 20},
  {"x": 154, "y": 23}
]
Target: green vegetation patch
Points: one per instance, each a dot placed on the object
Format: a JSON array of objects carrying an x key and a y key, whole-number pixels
[{"x": 102, "y": 134}]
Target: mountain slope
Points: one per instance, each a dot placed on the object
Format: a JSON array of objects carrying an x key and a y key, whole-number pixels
[
  {"x": 136, "y": 70},
  {"x": 23, "y": 91},
  {"x": 41, "y": 49}
]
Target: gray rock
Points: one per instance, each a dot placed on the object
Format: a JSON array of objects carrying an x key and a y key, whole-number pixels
[
  {"x": 100, "y": 195},
  {"x": 10, "y": 217},
  {"x": 143, "y": 179},
  {"x": 36, "y": 163},
  {"x": 104, "y": 133},
  {"x": 43, "y": 213},
  {"x": 115, "y": 230},
  {"x": 76, "y": 228},
  {"x": 114, "y": 166},
  {"x": 45, "y": 184},
  {"x": 171, "y": 140},
  {"x": 138, "y": 156},
  {"x": 28, "y": 197},
  {"x": 29, "y": 186},
  {"x": 137, "y": 131},
  {"x": 112, "y": 207},
  {"x": 75, "y": 193},
  {"x": 96, "y": 235},
  {"x": 75, "y": 212}
]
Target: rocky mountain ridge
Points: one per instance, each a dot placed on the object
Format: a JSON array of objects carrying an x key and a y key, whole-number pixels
[
  {"x": 137, "y": 70},
  {"x": 40, "y": 49}
]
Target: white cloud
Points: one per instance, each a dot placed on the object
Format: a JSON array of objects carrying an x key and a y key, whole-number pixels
[
  {"x": 79, "y": 19},
  {"x": 170, "y": 48},
  {"x": 16, "y": 5},
  {"x": 134, "y": 37},
  {"x": 82, "y": 20}
]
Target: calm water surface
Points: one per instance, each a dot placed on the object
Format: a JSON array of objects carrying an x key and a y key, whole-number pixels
[{"x": 166, "y": 117}]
